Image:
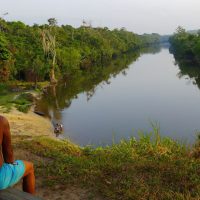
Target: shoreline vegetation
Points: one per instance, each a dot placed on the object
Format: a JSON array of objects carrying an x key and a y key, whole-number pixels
[
  {"x": 150, "y": 167},
  {"x": 186, "y": 46}
]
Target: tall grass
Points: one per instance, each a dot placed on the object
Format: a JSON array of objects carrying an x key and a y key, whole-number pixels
[{"x": 150, "y": 167}]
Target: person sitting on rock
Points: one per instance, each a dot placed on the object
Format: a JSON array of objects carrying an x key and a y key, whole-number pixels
[{"x": 12, "y": 171}]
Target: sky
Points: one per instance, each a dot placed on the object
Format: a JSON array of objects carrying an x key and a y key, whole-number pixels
[{"x": 139, "y": 16}]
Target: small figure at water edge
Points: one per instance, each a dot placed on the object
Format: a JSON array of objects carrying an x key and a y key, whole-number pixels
[{"x": 58, "y": 129}]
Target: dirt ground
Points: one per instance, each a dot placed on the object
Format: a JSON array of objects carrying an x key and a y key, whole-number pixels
[
  {"x": 28, "y": 124},
  {"x": 60, "y": 192}
]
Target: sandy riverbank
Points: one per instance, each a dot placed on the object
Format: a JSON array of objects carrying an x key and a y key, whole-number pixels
[{"x": 29, "y": 123}]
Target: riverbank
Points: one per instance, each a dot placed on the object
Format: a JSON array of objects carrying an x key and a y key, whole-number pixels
[
  {"x": 17, "y": 105},
  {"x": 147, "y": 168},
  {"x": 30, "y": 127},
  {"x": 29, "y": 124},
  {"x": 150, "y": 167}
]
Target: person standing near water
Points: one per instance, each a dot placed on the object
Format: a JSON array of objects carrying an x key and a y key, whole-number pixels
[{"x": 12, "y": 171}]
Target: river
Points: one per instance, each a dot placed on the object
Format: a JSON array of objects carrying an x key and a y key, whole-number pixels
[{"x": 150, "y": 88}]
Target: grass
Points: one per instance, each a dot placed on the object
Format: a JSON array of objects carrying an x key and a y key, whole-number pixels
[
  {"x": 5, "y": 102},
  {"x": 14, "y": 94},
  {"x": 148, "y": 168},
  {"x": 21, "y": 101},
  {"x": 5, "y": 98}
]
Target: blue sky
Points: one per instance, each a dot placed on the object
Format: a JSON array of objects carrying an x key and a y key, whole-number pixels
[{"x": 140, "y": 16}]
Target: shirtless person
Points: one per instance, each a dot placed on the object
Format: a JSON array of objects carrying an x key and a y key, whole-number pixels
[{"x": 12, "y": 171}]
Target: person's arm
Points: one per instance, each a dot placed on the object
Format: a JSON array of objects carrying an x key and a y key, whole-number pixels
[{"x": 7, "y": 149}]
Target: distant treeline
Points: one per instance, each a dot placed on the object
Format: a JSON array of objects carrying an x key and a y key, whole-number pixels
[
  {"x": 44, "y": 52},
  {"x": 186, "y": 45}
]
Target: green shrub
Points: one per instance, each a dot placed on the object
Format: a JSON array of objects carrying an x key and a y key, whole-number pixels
[
  {"x": 23, "y": 108},
  {"x": 3, "y": 89},
  {"x": 23, "y": 102}
]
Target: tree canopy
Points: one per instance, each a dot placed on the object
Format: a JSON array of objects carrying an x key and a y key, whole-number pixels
[
  {"x": 186, "y": 45},
  {"x": 74, "y": 49}
]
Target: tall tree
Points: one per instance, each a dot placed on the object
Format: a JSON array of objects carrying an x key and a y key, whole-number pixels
[
  {"x": 49, "y": 46},
  {"x": 5, "y": 59}
]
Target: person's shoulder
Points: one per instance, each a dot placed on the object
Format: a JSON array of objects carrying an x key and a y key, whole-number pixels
[{"x": 3, "y": 120}]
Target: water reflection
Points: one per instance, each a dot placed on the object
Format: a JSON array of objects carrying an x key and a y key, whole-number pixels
[
  {"x": 189, "y": 71},
  {"x": 57, "y": 98},
  {"x": 131, "y": 92}
]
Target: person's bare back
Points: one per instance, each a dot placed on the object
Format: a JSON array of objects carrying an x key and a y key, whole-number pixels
[{"x": 5, "y": 141}]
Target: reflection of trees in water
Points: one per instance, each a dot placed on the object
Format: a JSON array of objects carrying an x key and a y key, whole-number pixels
[
  {"x": 154, "y": 49},
  {"x": 61, "y": 95},
  {"x": 189, "y": 69}
]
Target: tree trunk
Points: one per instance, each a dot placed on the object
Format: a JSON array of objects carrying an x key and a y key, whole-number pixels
[
  {"x": 52, "y": 72},
  {"x": 52, "y": 76},
  {"x": 36, "y": 81}
]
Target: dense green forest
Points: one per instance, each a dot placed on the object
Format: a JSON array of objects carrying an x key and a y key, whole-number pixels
[
  {"x": 49, "y": 51},
  {"x": 186, "y": 45}
]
